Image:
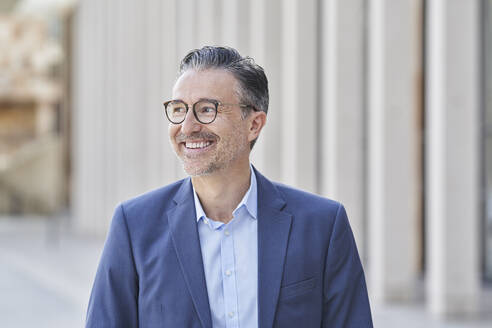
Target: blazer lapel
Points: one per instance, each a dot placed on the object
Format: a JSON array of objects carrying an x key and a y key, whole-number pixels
[
  {"x": 182, "y": 221},
  {"x": 273, "y": 235}
]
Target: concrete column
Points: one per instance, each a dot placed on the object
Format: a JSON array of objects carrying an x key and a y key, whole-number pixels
[
  {"x": 125, "y": 62},
  {"x": 89, "y": 117},
  {"x": 299, "y": 140},
  {"x": 342, "y": 101},
  {"x": 161, "y": 70},
  {"x": 235, "y": 24},
  {"x": 394, "y": 175},
  {"x": 126, "y": 128},
  {"x": 207, "y": 20},
  {"x": 453, "y": 157},
  {"x": 186, "y": 40},
  {"x": 266, "y": 38},
  {"x": 113, "y": 103}
]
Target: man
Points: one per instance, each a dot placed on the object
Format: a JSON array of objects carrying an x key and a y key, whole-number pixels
[{"x": 226, "y": 247}]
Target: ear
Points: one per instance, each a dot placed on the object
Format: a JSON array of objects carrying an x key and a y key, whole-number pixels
[{"x": 257, "y": 121}]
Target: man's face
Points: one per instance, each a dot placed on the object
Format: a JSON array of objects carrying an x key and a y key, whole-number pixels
[{"x": 207, "y": 148}]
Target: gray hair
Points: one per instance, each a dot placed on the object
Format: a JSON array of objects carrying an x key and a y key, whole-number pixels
[{"x": 253, "y": 83}]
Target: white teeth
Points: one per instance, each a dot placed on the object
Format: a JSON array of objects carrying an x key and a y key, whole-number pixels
[{"x": 194, "y": 145}]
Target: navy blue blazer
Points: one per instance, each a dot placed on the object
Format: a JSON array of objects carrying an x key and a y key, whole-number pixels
[{"x": 151, "y": 271}]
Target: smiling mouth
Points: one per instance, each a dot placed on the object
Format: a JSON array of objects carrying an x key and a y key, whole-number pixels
[{"x": 197, "y": 145}]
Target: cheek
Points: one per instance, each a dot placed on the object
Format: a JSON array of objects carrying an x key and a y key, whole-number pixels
[{"x": 172, "y": 130}]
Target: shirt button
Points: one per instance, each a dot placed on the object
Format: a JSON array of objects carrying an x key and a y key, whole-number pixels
[
  {"x": 206, "y": 221},
  {"x": 228, "y": 273},
  {"x": 231, "y": 314},
  {"x": 227, "y": 233}
]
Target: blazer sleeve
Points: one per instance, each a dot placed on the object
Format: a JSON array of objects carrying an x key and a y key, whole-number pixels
[
  {"x": 346, "y": 303},
  {"x": 114, "y": 297}
]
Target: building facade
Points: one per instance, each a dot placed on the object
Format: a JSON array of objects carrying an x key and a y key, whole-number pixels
[{"x": 379, "y": 104}]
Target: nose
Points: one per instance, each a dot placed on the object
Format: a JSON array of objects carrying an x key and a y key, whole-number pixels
[{"x": 190, "y": 124}]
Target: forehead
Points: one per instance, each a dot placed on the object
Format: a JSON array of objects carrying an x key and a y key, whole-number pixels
[{"x": 193, "y": 85}]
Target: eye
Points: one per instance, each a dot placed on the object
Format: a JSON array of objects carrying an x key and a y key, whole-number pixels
[
  {"x": 207, "y": 110},
  {"x": 178, "y": 109}
]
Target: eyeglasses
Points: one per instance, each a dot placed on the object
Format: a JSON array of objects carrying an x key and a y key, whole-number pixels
[{"x": 205, "y": 110}]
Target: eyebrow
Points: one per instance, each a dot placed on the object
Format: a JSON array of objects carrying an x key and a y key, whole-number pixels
[
  {"x": 208, "y": 99},
  {"x": 200, "y": 99}
]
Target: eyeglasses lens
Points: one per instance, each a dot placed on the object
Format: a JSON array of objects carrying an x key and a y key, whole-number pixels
[
  {"x": 205, "y": 111},
  {"x": 176, "y": 111}
]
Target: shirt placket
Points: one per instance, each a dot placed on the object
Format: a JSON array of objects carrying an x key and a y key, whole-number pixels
[{"x": 229, "y": 277}]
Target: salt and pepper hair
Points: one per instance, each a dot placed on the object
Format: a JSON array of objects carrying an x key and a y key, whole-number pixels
[{"x": 252, "y": 81}]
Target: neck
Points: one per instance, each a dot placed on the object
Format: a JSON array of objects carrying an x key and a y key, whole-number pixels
[{"x": 221, "y": 192}]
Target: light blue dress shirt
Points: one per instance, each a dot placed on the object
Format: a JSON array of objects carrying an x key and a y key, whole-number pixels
[{"x": 230, "y": 260}]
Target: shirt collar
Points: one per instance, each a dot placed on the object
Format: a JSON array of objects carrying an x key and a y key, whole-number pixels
[{"x": 250, "y": 199}]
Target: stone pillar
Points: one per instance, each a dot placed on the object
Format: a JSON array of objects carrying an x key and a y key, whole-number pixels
[
  {"x": 185, "y": 35},
  {"x": 89, "y": 117},
  {"x": 394, "y": 175},
  {"x": 453, "y": 156},
  {"x": 125, "y": 66},
  {"x": 161, "y": 70},
  {"x": 126, "y": 103},
  {"x": 207, "y": 22},
  {"x": 299, "y": 140},
  {"x": 235, "y": 18},
  {"x": 342, "y": 101},
  {"x": 186, "y": 40},
  {"x": 266, "y": 38}
]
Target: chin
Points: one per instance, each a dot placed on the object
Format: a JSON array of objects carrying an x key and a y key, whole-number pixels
[{"x": 199, "y": 170}]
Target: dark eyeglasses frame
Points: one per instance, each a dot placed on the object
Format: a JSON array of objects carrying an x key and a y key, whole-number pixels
[{"x": 213, "y": 101}]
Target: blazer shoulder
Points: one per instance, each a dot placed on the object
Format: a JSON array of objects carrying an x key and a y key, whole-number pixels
[
  {"x": 310, "y": 208},
  {"x": 156, "y": 200},
  {"x": 305, "y": 199}
]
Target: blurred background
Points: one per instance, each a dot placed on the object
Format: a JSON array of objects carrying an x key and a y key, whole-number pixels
[{"x": 385, "y": 105}]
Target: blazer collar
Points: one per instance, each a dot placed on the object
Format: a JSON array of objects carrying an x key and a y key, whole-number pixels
[
  {"x": 273, "y": 234},
  {"x": 182, "y": 223}
]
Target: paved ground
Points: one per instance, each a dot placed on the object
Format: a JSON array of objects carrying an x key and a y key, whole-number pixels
[{"x": 46, "y": 273}]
